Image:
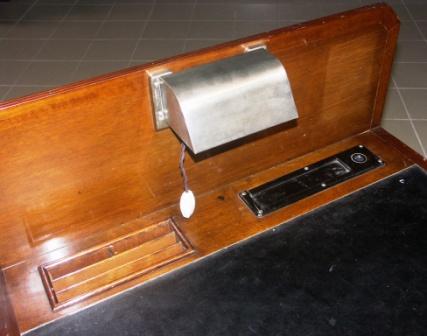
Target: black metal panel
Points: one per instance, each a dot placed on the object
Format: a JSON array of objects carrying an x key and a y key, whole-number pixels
[{"x": 310, "y": 180}]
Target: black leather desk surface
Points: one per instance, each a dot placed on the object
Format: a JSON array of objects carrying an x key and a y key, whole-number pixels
[{"x": 355, "y": 267}]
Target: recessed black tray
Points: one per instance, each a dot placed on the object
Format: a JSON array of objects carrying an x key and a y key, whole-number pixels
[{"x": 309, "y": 180}]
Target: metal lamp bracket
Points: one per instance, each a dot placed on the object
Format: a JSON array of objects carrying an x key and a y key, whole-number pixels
[
  {"x": 159, "y": 99},
  {"x": 254, "y": 47}
]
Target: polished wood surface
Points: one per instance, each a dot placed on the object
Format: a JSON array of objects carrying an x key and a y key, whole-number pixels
[
  {"x": 221, "y": 220},
  {"x": 83, "y": 165},
  {"x": 92, "y": 271},
  {"x": 88, "y": 157}
]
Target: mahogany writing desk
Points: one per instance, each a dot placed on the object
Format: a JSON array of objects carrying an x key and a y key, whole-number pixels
[{"x": 92, "y": 241}]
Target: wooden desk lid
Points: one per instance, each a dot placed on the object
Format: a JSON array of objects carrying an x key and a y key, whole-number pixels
[
  {"x": 87, "y": 156},
  {"x": 83, "y": 165}
]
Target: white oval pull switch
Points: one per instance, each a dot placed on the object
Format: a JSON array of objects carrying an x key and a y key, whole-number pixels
[{"x": 187, "y": 203}]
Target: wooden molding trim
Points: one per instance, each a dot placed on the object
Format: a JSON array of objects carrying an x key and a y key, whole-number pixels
[
  {"x": 95, "y": 270},
  {"x": 406, "y": 151}
]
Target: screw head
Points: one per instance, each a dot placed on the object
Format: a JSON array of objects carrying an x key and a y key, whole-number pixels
[
  {"x": 260, "y": 213},
  {"x": 243, "y": 193},
  {"x": 306, "y": 168},
  {"x": 402, "y": 180},
  {"x": 360, "y": 146},
  {"x": 380, "y": 161},
  {"x": 323, "y": 185}
]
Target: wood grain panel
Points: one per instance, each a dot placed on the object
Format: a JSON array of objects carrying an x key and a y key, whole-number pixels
[
  {"x": 90, "y": 272},
  {"x": 89, "y": 157},
  {"x": 221, "y": 219}
]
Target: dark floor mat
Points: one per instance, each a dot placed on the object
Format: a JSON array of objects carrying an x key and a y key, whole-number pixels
[{"x": 355, "y": 267}]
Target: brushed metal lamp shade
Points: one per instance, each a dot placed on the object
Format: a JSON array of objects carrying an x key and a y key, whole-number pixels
[{"x": 213, "y": 104}]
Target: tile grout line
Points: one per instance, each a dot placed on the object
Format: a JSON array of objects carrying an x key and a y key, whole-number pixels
[
  {"x": 412, "y": 62},
  {"x": 414, "y": 21},
  {"x": 31, "y": 61},
  {"x": 410, "y": 120},
  {"x": 140, "y": 37},
  {"x": 400, "y": 94},
  {"x": 190, "y": 23},
  {"x": 18, "y": 20},
  {"x": 179, "y": 20},
  {"x": 235, "y": 21},
  {"x": 15, "y": 23},
  {"x": 412, "y": 88},
  {"x": 69, "y": 61},
  {"x": 49, "y": 38},
  {"x": 402, "y": 119},
  {"x": 124, "y": 39},
  {"x": 101, "y": 25}
]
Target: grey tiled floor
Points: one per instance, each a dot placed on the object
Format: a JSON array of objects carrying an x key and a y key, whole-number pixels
[{"x": 45, "y": 43}]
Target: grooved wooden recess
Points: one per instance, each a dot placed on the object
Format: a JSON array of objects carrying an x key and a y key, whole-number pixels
[
  {"x": 86, "y": 182},
  {"x": 92, "y": 271}
]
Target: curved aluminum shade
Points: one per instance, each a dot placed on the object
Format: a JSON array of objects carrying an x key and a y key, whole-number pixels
[{"x": 215, "y": 103}]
